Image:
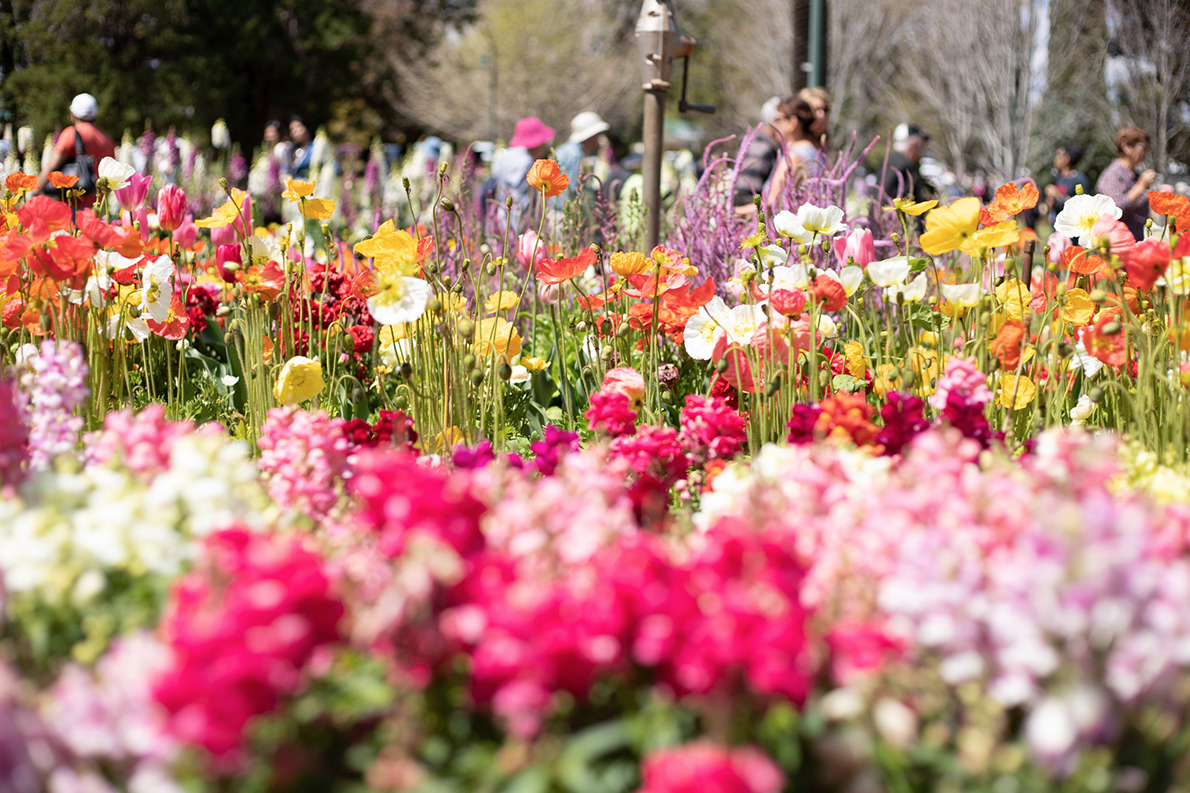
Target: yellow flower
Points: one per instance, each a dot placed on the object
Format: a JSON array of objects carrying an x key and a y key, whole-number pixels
[
  {"x": 392, "y": 249},
  {"x": 857, "y": 364},
  {"x": 1016, "y": 391},
  {"x": 632, "y": 263},
  {"x": 226, "y": 214},
  {"x": 501, "y": 301},
  {"x": 300, "y": 379},
  {"x": 1078, "y": 309},
  {"x": 318, "y": 208},
  {"x": 1014, "y": 296},
  {"x": 949, "y": 227},
  {"x": 446, "y": 440},
  {"x": 535, "y": 364},
  {"x": 995, "y": 237},
  {"x": 910, "y": 208},
  {"x": 296, "y": 190},
  {"x": 495, "y": 336}
]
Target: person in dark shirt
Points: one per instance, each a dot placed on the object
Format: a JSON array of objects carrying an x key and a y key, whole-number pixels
[
  {"x": 902, "y": 179},
  {"x": 1068, "y": 178},
  {"x": 760, "y": 158}
]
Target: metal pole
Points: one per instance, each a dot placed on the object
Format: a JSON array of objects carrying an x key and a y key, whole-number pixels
[
  {"x": 654, "y": 140},
  {"x": 817, "y": 43}
]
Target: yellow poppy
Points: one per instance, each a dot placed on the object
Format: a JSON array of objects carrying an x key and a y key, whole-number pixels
[
  {"x": 994, "y": 237},
  {"x": 948, "y": 227},
  {"x": 226, "y": 214},
  {"x": 910, "y": 207},
  {"x": 300, "y": 379},
  {"x": 626, "y": 264},
  {"x": 1016, "y": 391},
  {"x": 1078, "y": 309},
  {"x": 1014, "y": 296},
  {"x": 501, "y": 301},
  {"x": 296, "y": 190},
  {"x": 534, "y": 364},
  {"x": 495, "y": 336},
  {"x": 394, "y": 250},
  {"x": 318, "y": 208}
]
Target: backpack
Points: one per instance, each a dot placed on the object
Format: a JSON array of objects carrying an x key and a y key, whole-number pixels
[{"x": 82, "y": 166}]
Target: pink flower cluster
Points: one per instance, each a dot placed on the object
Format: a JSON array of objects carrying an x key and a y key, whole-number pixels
[
  {"x": 656, "y": 457},
  {"x": 961, "y": 376},
  {"x": 711, "y": 430},
  {"x": 610, "y": 413},
  {"x": 242, "y": 627},
  {"x": 57, "y": 386},
  {"x": 14, "y": 436},
  {"x": 304, "y": 455},
  {"x": 400, "y": 496},
  {"x": 728, "y": 616},
  {"x": 140, "y": 441},
  {"x": 707, "y": 768}
]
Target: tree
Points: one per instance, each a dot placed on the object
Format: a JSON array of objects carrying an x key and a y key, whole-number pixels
[{"x": 1149, "y": 69}]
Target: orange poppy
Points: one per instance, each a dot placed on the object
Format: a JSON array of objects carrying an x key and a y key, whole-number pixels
[
  {"x": 1011, "y": 200},
  {"x": 1007, "y": 344},
  {"x": 1113, "y": 349},
  {"x": 62, "y": 181},
  {"x": 21, "y": 182},
  {"x": 547, "y": 178},
  {"x": 552, "y": 271},
  {"x": 267, "y": 281},
  {"x": 1078, "y": 260},
  {"x": 1171, "y": 205}
]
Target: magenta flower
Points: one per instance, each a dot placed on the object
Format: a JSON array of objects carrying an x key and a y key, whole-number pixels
[
  {"x": 133, "y": 194},
  {"x": 171, "y": 207},
  {"x": 857, "y": 246}
]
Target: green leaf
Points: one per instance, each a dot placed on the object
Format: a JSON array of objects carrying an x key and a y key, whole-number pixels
[{"x": 845, "y": 382}]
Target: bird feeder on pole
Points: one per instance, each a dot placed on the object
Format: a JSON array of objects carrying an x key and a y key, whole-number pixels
[{"x": 659, "y": 43}]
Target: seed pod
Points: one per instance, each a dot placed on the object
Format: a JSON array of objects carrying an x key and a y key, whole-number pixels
[
  {"x": 466, "y": 328},
  {"x": 447, "y": 281},
  {"x": 405, "y": 183},
  {"x": 466, "y": 265}
]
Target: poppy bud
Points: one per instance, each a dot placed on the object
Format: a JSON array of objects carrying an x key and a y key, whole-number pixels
[
  {"x": 1095, "y": 394},
  {"x": 491, "y": 268},
  {"x": 477, "y": 377},
  {"x": 434, "y": 305},
  {"x": 1112, "y": 328},
  {"x": 447, "y": 205},
  {"x": 400, "y": 402},
  {"x": 721, "y": 366},
  {"x": 405, "y": 183},
  {"x": 504, "y": 371},
  {"x": 406, "y": 370},
  {"x": 469, "y": 361}
]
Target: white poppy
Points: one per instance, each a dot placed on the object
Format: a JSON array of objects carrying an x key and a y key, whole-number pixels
[
  {"x": 265, "y": 248},
  {"x": 789, "y": 226},
  {"x": 119, "y": 322},
  {"x": 851, "y": 277},
  {"x": 400, "y": 299},
  {"x": 743, "y": 321},
  {"x": 396, "y": 352},
  {"x": 157, "y": 288},
  {"x": 961, "y": 295},
  {"x": 1085, "y": 361},
  {"x": 519, "y": 374},
  {"x": 827, "y": 328},
  {"x": 704, "y": 329},
  {"x": 1080, "y": 215},
  {"x": 911, "y": 292},
  {"x": 1082, "y": 411},
  {"x": 1176, "y": 277},
  {"x": 888, "y": 272},
  {"x": 793, "y": 276},
  {"x": 823, "y": 221},
  {"x": 229, "y": 380},
  {"x": 117, "y": 174},
  {"x": 772, "y": 256}
]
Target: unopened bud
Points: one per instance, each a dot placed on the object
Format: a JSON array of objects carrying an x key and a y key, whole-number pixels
[
  {"x": 447, "y": 205},
  {"x": 405, "y": 183},
  {"x": 508, "y": 202},
  {"x": 46, "y": 323},
  {"x": 1098, "y": 296},
  {"x": 469, "y": 361},
  {"x": 721, "y": 366},
  {"x": 1112, "y": 328},
  {"x": 434, "y": 305},
  {"x": 491, "y": 268},
  {"x": 504, "y": 371},
  {"x": 477, "y": 376},
  {"x": 406, "y": 370},
  {"x": 466, "y": 328},
  {"x": 1095, "y": 394}
]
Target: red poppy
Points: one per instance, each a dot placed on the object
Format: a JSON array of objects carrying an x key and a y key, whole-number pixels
[
  {"x": 558, "y": 271},
  {"x": 93, "y": 228},
  {"x": 680, "y": 305},
  {"x": 176, "y": 325},
  {"x": 547, "y": 178},
  {"x": 54, "y": 214},
  {"x": 1079, "y": 260},
  {"x": 828, "y": 292},
  {"x": 268, "y": 280},
  {"x": 1147, "y": 263},
  {"x": 1111, "y": 349}
]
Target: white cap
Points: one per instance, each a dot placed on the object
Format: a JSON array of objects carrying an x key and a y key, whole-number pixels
[
  {"x": 587, "y": 125},
  {"x": 769, "y": 112},
  {"x": 84, "y": 107}
]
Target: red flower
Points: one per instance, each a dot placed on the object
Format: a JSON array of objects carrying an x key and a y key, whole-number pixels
[
  {"x": 176, "y": 325},
  {"x": 829, "y": 293},
  {"x": 559, "y": 271},
  {"x": 1111, "y": 349},
  {"x": 1171, "y": 205},
  {"x": 788, "y": 302},
  {"x": 1147, "y": 263},
  {"x": 546, "y": 178},
  {"x": 267, "y": 281},
  {"x": 1010, "y": 201},
  {"x": 43, "y": 209},
  {"x": 171, "y": 207}
]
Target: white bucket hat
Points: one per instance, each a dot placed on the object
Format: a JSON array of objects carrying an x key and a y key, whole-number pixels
[
  {"x": 84, "y": 107},
  {"x": 587, "y": 125}
]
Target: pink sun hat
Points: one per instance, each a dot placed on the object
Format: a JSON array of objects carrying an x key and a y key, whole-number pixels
[{"x": 531, "y": 132}]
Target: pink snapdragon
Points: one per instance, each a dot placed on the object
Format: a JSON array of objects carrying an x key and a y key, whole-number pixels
[
  {"x": 141, "y": 442},
  {"x": 57, "y": 386},
  {"x": 243, "y": 626},
  {"x": 707, "y": 768},
  {"x": 304, "y": 458}
]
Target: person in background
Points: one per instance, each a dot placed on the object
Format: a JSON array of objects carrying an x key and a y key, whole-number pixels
[
  {"x": 530, "y": 141},
  {"x": 1120, "y": 180},
  {"x": 585, "y": 130},
  {"x": 820, "y": 101},
  {"x": 801, "y": 157},
  {"x": 301, "y": 152},
  {"x": 902, "y": 178},
  {"x": 1067, "y": 178},
  {"x": 96, "y": 144},
  {"x": 760, "y": 159},
  {"x": 274, "y": 145}
]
